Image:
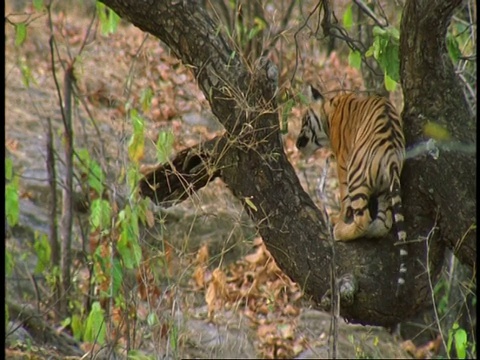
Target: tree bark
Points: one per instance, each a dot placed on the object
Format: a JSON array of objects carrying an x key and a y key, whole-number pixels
[
  {"x": 250, "y": 160},
  {"x": 432, "y": 92}
]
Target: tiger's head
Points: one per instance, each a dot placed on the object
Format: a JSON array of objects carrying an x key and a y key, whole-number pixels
[{"x": 314, "y": 132}]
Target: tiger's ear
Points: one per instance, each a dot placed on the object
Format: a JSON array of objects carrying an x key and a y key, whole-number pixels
[{"x": 314, "y": 94}]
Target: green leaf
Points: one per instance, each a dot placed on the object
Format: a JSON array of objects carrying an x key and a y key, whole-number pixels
[
  {"x": 77, "y": 327},
  {"x": 355, "y": 59},
  {"x": 38, "y": 5},
  {"x": 461, "y": 343},
  {"x": 12, "y": 207},
  {"x": 20, "y": 33},
  {"x": 152, "y": 319},
  {"x": 108, "y": 18},
  {"x": 127, "y": 244},
  {"x": 173, "y": 337},
  {"x": 66, "y": 322},
  {"x": 303, "y": 99},
  {"x": 113, "y": 21},
  {"x": 287, "y": 109},
  {"x": 370, "y": 51},
  {"x": 450, "y": 338},
  {"x": 132, "y": 177},
  {"x": 100, "y": 214},
  {"x": 129, "y": 250},
  {"x": 83, "y": 157},
  {"x": 117, "y": 276},
  {"x": 390, "y": 84},
  {"x": 385, "y": 49},
  {"x": 394, "y": 33},
  {"x": 453, "y": 48},
  {"x": 146, "y": 99},
  {"x": 138, "y": 355},
  {"x": 136, "y": 147},
  {"x": 123, "y": 249},
  {"x": 391, "y": 61},
  {"x": 86, "y": 165},
  {"x": 96, "y": 177},
  {"x": 137, "y": 122},
  {"x": 9, "y": 264},
  {"x": 251, "y": 204},
  {"x": 164, "y": 145},
  {"x": 252, "y": 33},
  {"x": 26, "y": 74},
  {"x": 95, "y": 329},
  {"x": 348, "y": 17},
  {"x": 378, "y": 31},
  {"x": 137, "y": 141},
  {"x": 43, "y": 252},
  {"x": 260, "y": 23}
]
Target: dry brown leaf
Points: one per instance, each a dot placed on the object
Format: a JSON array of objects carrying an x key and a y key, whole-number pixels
[
  {"x": 283, "y": 352},
  {"x": 286, "y": 331},
  {"x": 248, "y": 290},
  {"x": 297, "y": 348},
  {"x": 408, "y": 346},
  {"x": 150, "y": 218},
  {"x": 272, "y": 267},
  {"x": 91, "y": 348},
  {"x": 263, "y": 309},
  {"x": 168, "y": 248},
  {"x": 220, "y": 280},
  {"x": 199, "y": 276},
  {"x": 216, "y": 291},
  {"x": 25, "y": 194},
  {"x": 258, "y": 241},
  {"x": 202, "y": 255},
  {"x": 291, "y": 310},
  {"x": 211, "y": 299},
  {"x": 266, "y": 330},
  {"x": 256, "y": 258},
  {"x": 426, "y": 351},
  {"x": 11, "y": 145}
]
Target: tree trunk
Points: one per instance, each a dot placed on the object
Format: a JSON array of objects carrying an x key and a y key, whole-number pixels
[
  {"x": 250, "y": 160},
  {"x": 432, "y": 92}
]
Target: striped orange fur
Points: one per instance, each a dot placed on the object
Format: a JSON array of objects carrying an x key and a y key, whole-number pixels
[{"x": 366, "y": 137}]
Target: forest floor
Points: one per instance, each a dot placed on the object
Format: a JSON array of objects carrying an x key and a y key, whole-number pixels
[{"x": 216, "y": 292}]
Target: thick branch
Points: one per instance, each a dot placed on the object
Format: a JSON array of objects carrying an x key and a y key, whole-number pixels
[{"x": 190, "y": 170}]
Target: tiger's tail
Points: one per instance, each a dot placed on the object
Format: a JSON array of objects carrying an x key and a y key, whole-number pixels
[{"x": 401, "y": 234}]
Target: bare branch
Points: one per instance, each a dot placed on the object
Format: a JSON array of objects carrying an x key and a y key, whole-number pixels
[{"x": 371, "y": 14}]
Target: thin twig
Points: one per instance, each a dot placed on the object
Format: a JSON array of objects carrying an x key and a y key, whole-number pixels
[
  {"x": 52, "y": 181},
  {"x": 430, "y": 283},
  {"x": 283, "y": 27},
  {"x": 296, "y": 41},
  {"x": 362, "y": 6}
]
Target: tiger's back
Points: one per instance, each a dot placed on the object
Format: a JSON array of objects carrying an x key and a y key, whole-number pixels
[{"x": 366, "y": 136}]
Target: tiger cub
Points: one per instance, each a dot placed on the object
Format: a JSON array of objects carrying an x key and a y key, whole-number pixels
[{"x": 366, "y": 137}]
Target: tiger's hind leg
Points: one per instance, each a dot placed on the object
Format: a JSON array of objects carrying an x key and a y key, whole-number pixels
[
  {"x": 345, "y": 209},
  {"x": 383, "y": 221},
  {"x": 359, "y": 225}
]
